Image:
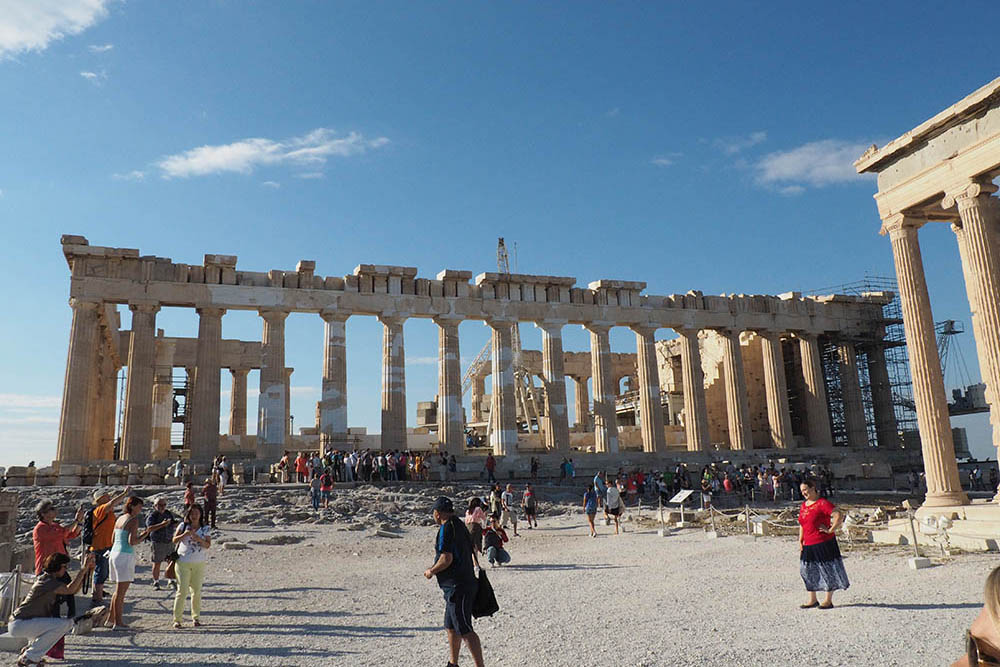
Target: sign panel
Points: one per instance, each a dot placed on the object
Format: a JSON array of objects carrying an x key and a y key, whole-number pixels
[{"x": 681, "y": 496}]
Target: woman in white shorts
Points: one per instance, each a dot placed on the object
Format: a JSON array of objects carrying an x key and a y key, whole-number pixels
[{"x": 122, "y": 556}]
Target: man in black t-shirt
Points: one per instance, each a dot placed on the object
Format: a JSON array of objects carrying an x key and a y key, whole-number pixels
[{"x": 453, "y": 567}]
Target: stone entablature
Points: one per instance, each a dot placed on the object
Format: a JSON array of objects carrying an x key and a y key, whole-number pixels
[{"x": 121, "y": 276}]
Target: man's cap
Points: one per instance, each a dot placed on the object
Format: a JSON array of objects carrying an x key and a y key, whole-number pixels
[
  {"x": 99, "y": 493},
  {"x": 443, "y": 504}
]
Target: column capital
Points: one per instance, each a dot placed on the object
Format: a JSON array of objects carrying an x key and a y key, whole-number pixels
[
  {"x": 391, "y": 320},
  {"x": 273, "y": 315},
  {"x": 500, "y": 322},
  {"x": 448, "y": 321},
  {"x": 77, "y": 303},
  {"x": 599, "y": 327},
  {"x": 644, "y": 329},
  {"x": 966, "y": 194},
  {"x": 151, "y": 307},
  {"x": 728, "y": 331},
  {"x": 898, "y": 224},
  {"x": 770, "y": 334},
  {"x": 239, "y": 370},
  {"x": 210, "y": 311},
  {"x": 806, "y": 335},
  {"x": 551, "y": 327},
  {"x": 334, "y": 315},
  {"x": 288, "y": 371},
  {"x": 686, "y": 333}
]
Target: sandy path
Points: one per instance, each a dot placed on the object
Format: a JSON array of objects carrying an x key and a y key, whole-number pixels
[{"x": 349, "y": 598}]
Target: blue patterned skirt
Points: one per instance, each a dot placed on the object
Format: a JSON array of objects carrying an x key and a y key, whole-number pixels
[{"x": 822, "y": 568}]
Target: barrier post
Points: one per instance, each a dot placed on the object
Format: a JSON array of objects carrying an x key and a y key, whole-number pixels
[{"x": 747, "y": 510}]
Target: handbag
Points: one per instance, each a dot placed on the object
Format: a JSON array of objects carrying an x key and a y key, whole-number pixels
[
  {"x": 485, "y": 603},
  {"x": 171, "y": 571}
]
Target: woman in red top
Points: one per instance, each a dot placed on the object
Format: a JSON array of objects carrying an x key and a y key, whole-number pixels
[
  {"x": 50, "y": 538},
  {"x": 820, "y": 564}
]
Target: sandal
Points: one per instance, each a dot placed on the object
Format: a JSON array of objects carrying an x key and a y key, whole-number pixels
[
  {"x": 809, "y": 606},
  {"x": 177, "y": 625},
  {"x": 826, "y": 606},
  {"x": 197, "y": 623}
]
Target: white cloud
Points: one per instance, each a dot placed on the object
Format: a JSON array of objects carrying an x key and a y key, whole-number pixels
[
  {"x": 817, "y": 164},
  {"x": 29, "y": 402},
  {"x": 94, "y": 77},
  {"x": 134, "y": 175},
  {"x": 613, "y": 112},
  {"x": 733, "y": 145},
  {"x": 666, "y": 159},
  {"x": 271, "y": 184},
  {"x": 1, "y": 193},
  {"x": 421, "y": 361},
  {"x": 791, "y": 190},
  {"x": 310, "y": 175},
  {"x": 31, "y": 25},
  {"x": 312, "y": 149},
  {"x": 100, "y": 48}
]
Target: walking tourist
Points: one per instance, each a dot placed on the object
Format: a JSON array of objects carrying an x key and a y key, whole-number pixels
[
  {"x": 613, "y": 505},
  {"x": 315, "y": 492},
  {"x": 102, "y": 531},
  {"x": 507, "y": 511},
  {"x": 189, "y": 498},
  {"x": 982, "y": 639},
  {"x": 32, "y": 619},
  {"x": 211, "y": 495},
  {"x": 821, "y": 566},
  {"x": 179, "y": 470},
  {"x": 494, "y": 537},
  {"x": 159, "y": 538},
  {"x": 49, "y": 537},
  {"x": 590, "y": 508},
  {"x": 491, "y": 466},
  {"x": 122, "y": 556},
  {"x": 601, "y": 487},
  {"x": 192, "y": 540},
  {"x": 301, "y": 469},
  {"x": 453, "y": 567},
  {"x": 326, "y": 487},
  {"x": 530, "y": 506},
  {"x": 475, "y": 521}
]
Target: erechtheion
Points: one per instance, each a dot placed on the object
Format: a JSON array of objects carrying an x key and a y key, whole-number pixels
[{"x": 943, "y": 171}]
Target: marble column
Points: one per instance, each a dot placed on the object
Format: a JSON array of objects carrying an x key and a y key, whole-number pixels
[
  {"x": 737, "y": 403},
  {"x": 979, "y": 248},
  {"x": 477, "y": 395},
  {"x": 940, "y": 467},
  {"x": 503, "y": 412},
  {"x": 163, "y": 398},
  {"x": 817, "y": 409},
  {"x": 695, "y": 406},
  {"x": 272, "y": 415},
  {"x": 288, "y": 402},
  {"x": 206, "y": 403},
  {"x": 605, "y": 420},
  {"x": 650, "y": 407},
  {"x": 393, "y": 383},
  {"x": 138, "y": 436},
  {"x": 81, "y": 365},
  {"x": 850, "y": 389},
  {"x": 451, "y": 434},
  {"x": 779, "y": 419},
  {"x": 581, "y": 399},
  {"x": 108, "y": 409},
  {"x": 95, "y": 411},
  {"x": 333, "y": 402},
  {"x": 238, "y": 402},
  {"x": 886, "y": 430},
  {"x": 554, "y": 378}
]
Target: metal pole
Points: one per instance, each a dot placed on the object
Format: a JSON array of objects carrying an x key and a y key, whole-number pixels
[
  {"x": 913, "y": 532},
  {"x": 748, "y": 519},
  {"x": 17, "y": 587}
]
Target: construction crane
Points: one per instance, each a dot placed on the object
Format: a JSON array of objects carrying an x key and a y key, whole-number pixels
[
  {"x": 973, "y": 399},
  {"x": 527, "y": 397}
]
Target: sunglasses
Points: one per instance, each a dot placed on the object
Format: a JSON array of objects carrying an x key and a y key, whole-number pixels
[{"x": 976, "y": 658}]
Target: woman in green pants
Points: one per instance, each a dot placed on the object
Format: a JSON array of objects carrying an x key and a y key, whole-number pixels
[{"x": 193, "y": 541}]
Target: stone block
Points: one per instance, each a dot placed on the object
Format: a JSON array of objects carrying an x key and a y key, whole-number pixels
[
  {"x": 919, "y": 563},
  {"x": 45, "y": 476}
]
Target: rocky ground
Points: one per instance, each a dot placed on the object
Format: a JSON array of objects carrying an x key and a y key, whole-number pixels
[{"x": 308, "y": 589}]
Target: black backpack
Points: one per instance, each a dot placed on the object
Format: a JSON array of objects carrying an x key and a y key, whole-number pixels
[{"x": 87, "y": 533}]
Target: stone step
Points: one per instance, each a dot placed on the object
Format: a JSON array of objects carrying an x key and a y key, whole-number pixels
[{"x": 968, "y": 536}]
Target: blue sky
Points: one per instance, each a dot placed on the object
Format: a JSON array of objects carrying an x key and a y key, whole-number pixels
[{"x": 691, "y": 146}]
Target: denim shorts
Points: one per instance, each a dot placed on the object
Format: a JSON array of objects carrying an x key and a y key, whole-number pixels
[{"x": 101, "y": 566}]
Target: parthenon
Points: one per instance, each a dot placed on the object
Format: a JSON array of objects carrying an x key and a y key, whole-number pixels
[{"x": 104, "y": 277}]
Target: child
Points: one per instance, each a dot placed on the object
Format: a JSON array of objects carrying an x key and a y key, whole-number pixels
[{"x": 494, "y": 538}]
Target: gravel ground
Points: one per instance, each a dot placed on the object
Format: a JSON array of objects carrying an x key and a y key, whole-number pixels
[{"x": 343, "y": 597}]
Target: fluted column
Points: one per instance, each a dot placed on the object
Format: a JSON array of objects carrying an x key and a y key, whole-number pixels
[
  {"x": 886, "y": 430},
  {"x": 393, "y": 383},
  {"x": 779, "y": 419},
  {"x": 940, "y": 466},
  {"x": 163, "y": 398},
  {"x": 81, "y": 365},
  {"x": 978, "y": 241},
  {"x": 478, "y": 392},
  {"x": 554, "y": 377},
  {"x": 581, "y": 399},
  {"x": 695, "y": 406},
  {"x": 238, "y": 402},
  {"x": 333, "y": 403},
  {"x": 605, "y": 421},
  {"x": 205, "y": 408},
  {"x": 138, "y": 434},
  {"x": 272, "y": 416},
  {"x": 288, "y": 401},
  {"x": 850, "y": 388},
  {"x": 503, "y": 410},
  {"x": 451, "y": 434},
  {"x": 107, "y": 409},
  {"x": 650, "y": 407},
  {"x": 737, "y": 403},
  {"x": 817, "y": 409}
]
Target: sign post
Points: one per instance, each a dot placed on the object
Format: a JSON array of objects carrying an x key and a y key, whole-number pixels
[{"x": 681, "y": 498}]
